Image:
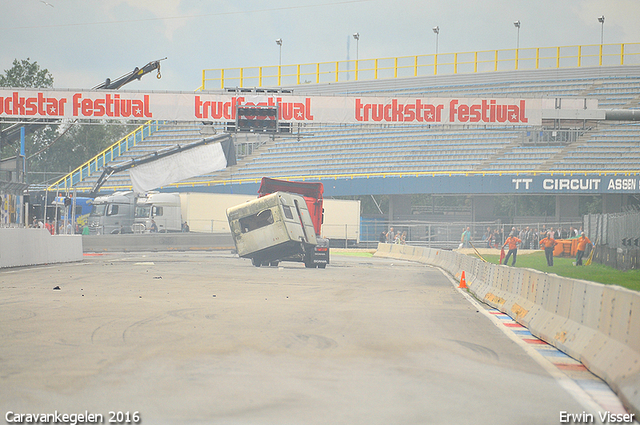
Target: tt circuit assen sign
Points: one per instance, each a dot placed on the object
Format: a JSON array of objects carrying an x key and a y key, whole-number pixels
[
  {"x": 576, "y": 185},
  {"x": 18, "y": 103}
]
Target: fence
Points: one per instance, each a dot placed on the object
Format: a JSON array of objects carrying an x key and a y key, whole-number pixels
[
  {"x": 423, "y": 65},
  {"x": 447, "y": 235},
  {"x": 617, "y": 237},
  {"x": 617, "y": 231}
]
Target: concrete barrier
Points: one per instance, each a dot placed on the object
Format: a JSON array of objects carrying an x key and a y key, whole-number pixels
[
  {"x": 191, "y": 241},
  {"x": 28, "y": 247},
  {"x": 596, "y": 324}
]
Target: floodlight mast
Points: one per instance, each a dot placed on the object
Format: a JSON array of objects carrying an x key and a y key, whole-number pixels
[
  {"x": 601, "y": 20},
  {"x": 357, "y": 38},
  {"x": 436, "y": 30},
  {"x": 279, "y": 43}
]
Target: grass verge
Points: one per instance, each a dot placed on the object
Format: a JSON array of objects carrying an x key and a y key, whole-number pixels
[{"x": 564, "y": 267}]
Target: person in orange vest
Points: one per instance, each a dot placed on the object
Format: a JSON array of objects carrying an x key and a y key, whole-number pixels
[
  {"x": 513, "y": 242},
  {"x": 582, "y": 244},
  {"x": 548, "y": 243}
]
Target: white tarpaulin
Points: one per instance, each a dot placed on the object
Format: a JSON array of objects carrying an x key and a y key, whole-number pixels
[{"x": 181, "y": 166}]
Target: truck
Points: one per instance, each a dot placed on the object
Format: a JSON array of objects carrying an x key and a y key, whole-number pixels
[
  {"x": 283, "y": 224},
  {"x": 124, "y": 212},
  {"x": 112, "y": 214},
  {"x": 163, "y": 209}
]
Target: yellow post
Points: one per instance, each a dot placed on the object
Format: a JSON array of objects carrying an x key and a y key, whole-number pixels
[
  {"x": 475, "y": 62},
  {"x": 318, "y": 72},
  {"x": 279, "y": 74},
  {"x": 415, "y": 66},
  {"x": 455, "y": 63},
  {"x": 222, "y": 78},
  {"x": 579, "y": 56},
  {"x": 537, "y": 57},
  {"x": 558, "y": 57},
  {"x": 395, "y": 68},
  {"x": 356, "y": 69},
  {"x": 517, "y": 59},
  {"x": 435, "y": 64},
  {"x": 622, "y": 54},
  {"x": 375, "y": 77},
  {"x": 298, "y": 74},
  {"x": 260, "y": 77},
  {"x": 241, "y": 77},
  {"x": 202, "y": 87},
  {"x": 337, "y": 70},
  {"x": 601, "y": 55},
  {"x": 495, "y": 61}
]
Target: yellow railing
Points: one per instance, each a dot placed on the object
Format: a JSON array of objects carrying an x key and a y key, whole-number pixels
[
  {"x": 97, "y": 163},
  {"x": 423, "y": 65}
]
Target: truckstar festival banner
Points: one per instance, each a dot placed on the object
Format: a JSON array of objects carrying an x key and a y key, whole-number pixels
[{"x": 219, "y": 107}]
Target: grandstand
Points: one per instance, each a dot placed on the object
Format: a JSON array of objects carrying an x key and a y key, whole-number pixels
[{"x": 342, "y": 153}]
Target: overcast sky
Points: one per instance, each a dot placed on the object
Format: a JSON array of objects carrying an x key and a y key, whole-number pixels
[{"x": 82, "y": 42}]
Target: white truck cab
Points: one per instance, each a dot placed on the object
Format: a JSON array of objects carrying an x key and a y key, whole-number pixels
[{"x": 161, "y": 209}]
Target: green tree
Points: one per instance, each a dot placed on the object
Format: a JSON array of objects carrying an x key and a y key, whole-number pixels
[
  {"x": 50, "y": 150},
  {"x": 59, "y": 153},
  {"x": 26, "y": 74}
]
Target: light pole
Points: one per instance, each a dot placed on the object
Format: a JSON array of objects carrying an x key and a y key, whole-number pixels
[
  {"x": 357, "y": 37},
  {"x": 601, "y": 20},
  {"x": 279, "y": 43},
  {"x": 517, "y": 25},
  {"x": 436, "y": 29}
]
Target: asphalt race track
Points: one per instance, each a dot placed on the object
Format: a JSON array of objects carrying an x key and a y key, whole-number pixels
[{"x": 204, "y": 338}]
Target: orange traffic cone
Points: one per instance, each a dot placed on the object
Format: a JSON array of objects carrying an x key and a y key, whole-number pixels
[{"x": 463, "y": 282}]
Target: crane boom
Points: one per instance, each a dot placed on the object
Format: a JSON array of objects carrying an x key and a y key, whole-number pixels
[{"x": 136, "y": 74}]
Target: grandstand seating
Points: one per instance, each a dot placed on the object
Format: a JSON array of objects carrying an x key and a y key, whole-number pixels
[{"x": 324, "y": 150}]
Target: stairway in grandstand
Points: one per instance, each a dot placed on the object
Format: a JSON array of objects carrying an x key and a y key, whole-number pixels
[{"x": 334, "y": 150}]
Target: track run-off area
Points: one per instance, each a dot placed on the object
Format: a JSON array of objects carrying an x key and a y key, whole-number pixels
[{"x": 205, "y": 337}]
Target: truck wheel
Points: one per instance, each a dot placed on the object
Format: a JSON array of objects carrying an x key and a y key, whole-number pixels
[
  {"x": 255, "y": 262},
  {"x": 274, "y": 263},
  {"x": 322, "y": 266}
]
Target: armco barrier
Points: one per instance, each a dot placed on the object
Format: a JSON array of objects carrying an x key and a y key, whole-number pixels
[
  {"x": 596, "y": 324},
  {"x": 28, "y": 247}
]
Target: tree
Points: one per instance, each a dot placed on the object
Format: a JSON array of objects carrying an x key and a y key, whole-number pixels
[
  {"x": 26, "y": 74},
  {"x": 50, "y": 151},
  {"x": 23, "y": 74},
  {"x": 75, "y": 147}
]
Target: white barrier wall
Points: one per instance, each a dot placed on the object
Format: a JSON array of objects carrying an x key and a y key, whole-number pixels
[
  {"x": 596, "y": 324},
  {"x": 27, "y": 247}
]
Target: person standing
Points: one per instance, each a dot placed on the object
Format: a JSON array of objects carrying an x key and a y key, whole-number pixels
[
  {"x": 391, "y": 236},
  {"x": 513, "y": 242},
  {"x": 582, "y": 244},
  {"x": 466, "y": 238},
  {"x": 548, "y": 243}
]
